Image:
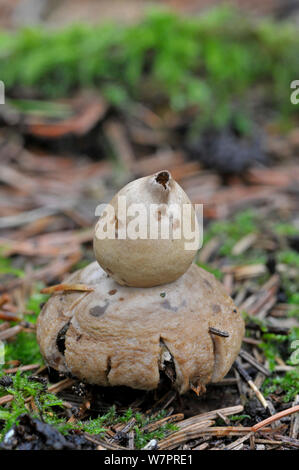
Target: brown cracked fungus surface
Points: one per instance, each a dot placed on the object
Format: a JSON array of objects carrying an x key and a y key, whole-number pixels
[{"x": 121, "y": 338}]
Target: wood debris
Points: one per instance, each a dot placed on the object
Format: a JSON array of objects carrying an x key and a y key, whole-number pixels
[{"x": 66, "y": 288}]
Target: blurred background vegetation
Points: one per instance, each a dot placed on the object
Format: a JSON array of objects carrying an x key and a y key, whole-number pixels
[{"x": 223, "y": 67}]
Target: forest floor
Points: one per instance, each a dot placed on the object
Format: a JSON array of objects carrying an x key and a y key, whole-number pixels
[{"x": 58, "y": 160}]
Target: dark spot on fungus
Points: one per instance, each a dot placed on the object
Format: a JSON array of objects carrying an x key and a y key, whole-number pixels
[
  {"x": 60, "y": 339},
  {"x": 163, "y": 178},
  {"x": 163, "y": 294},
  {"x": 167, "y": 306},
  {"x": 216, "y": 308},
  {"x": 121, "y": 298},
  {"x": 112, "y": 292},
  {"x": 208, "y": 284},
  {"x": 97, "y": 311},
  {"x": 78, "y": 337},
  {"x": 235, "y": 310}
]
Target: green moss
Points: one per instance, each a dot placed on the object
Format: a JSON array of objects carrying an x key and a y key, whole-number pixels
[
  {"x": 127, "y": 416},
  {"x": 81, "y": 264},
  {"x": 24, "y": 349},
  {"x": 288, "y": 384},
  {"x": 290, "y": 278},
  {"x": 271, "y": 345},
  {"x": 35, "y": 301},
  {"x": 257, "y": 321},
  {"x": 290, "y": 257},
  {"x": 142, "y": 437},
  {"x": 217, "y": 273},
  {"x": 231, "y": 231},
  {"x": 21, "y": 389},
  {"x": 6, "y": 267},
  {"x": 97, "y": 426},
  {"x": 294, "y": 309},
  {"x": 48, "y": 406},
  {"x": 238, "y": 418},
  {"x": 285, "y": 228},
  {"x": 282, "y": 346}
]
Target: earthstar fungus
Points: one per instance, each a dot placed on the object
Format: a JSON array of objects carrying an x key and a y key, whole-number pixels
[{"x": 187, "y": 327}]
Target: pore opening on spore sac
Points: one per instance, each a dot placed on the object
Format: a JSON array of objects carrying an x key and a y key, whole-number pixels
[{"x": 162, "y": 178}]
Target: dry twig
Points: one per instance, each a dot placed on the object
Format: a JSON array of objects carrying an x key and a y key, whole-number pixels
[
  {"x": 272, "y": 419},
  {"x": 66, "y": 288}
]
